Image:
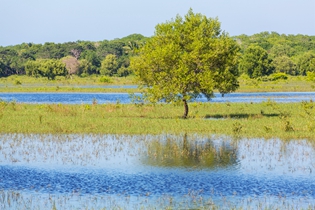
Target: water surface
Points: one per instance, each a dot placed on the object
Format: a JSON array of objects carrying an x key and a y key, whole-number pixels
[
  {"x": 88, "y": 98},
  {"x": 154, "y": 170}
]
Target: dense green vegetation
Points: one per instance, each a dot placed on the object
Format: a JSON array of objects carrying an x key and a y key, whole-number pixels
[
  {"x": 81, "y": 57},
  {"x": 267, "y": 53},
  {"x": 262, "y": 54},
  {"x": 185, "y": 58}
]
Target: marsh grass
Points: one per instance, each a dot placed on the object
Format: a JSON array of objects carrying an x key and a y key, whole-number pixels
[
  {"x": 22, "y": 83},
  {"x": 292, "y": 84},
  {"x": 19, "y": 200},
  {"x": 267, "y": 119}
]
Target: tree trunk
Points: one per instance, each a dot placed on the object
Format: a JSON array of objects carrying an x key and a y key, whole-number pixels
[{"x": 186, "y": 109}]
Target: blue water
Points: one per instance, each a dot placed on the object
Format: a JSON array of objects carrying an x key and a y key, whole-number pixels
[
  {"x": 111, "y": 165},
  {"x": 87, "y": 98},
  {"x": 177, "y": 183}
]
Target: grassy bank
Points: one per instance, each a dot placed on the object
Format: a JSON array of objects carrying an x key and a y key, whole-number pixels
[
  {"x": 95, "y": 83},
  {"x": 267, "y": 120},
  {"x": 24, "y": 83}
]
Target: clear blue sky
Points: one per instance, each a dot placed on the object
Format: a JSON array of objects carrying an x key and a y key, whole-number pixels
[{"x": 59, "y": 21}]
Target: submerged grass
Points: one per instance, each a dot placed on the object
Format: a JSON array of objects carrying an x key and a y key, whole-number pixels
[
  {"x": 18, "y": 200},
  {"x": 267, "y": 119}
]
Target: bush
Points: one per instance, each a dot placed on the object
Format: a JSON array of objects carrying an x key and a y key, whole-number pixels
[
  {"x": 278, "y": 76},
  {"x": 17, "y": 82},
  {"x": 310, "y": 76},
  {"x": 105, "y": 79},
  {"x": 84, "y": 75}
]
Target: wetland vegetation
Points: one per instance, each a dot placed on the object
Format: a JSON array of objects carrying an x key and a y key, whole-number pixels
[
  {"x": 267, "y": 119},
  {"x": 145, "y": 155}
]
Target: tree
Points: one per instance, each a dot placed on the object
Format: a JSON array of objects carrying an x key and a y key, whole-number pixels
[
  {"x": 32, "y": 68},
  {"x": 304, "y": 63},
  {"x": 123, "y": 71},
  {"x": 92, "y": 58},
  {"x": 2, "y": 67},
  {"x": 284, "y": 64},
  {"x": 187, "y": 57},
  {"x": 72, "y": 64},
  {"x": 255, "y": 62},
  {"x": 109, "y": 65},
  {"x": 49, "y": 68},
  {"x": 281, "y": 50},
  {"x": 85, "y": 68}
]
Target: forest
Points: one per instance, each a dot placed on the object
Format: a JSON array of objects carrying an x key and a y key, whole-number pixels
[{"x": 266, "y": 56}]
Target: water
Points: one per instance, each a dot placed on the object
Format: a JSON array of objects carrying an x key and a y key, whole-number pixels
[
  {"x": 88, "y": 98},
  {"x": 96, "y": 171}
]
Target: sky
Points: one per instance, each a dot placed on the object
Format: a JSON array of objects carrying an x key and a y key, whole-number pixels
[{"x": 59, "y": 21}]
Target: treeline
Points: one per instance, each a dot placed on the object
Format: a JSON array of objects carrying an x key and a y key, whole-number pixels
[
  {"x": 81, "y": 57},
  {"x": 271, "y": 53},
  {"x": 261, "y": 55}
]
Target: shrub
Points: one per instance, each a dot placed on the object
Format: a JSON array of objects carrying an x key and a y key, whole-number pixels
[
  {"x": 278, "y": 76},
  {"x": 310, "y": 76},
  {"x": 105, "y": 79},
  {"x": 17, "y": 82}
]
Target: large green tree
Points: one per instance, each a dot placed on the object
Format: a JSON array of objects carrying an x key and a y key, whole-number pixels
[
  {"x": 284, "y": 64},
  {"x": 109, "y": 65},
  {"x": 49, "y": 68},
  {"x": 304, "y": 63},
  {"x": 255, "y": 62},
  {"x": 185, "y": 58}
]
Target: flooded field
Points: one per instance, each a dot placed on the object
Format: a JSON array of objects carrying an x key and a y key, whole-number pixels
[{"x": 133, "y": 172}]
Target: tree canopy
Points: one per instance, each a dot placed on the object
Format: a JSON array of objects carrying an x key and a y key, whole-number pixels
[
  {"x": 185, "y": 58},
  {"x": 255, "y": 62}
]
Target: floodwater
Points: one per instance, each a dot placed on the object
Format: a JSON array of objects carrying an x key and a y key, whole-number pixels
[
  {"x": 88, "y": 98},
  {"x": 132, "y": 172}
]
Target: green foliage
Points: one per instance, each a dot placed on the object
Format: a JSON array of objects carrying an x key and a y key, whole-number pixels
[
  {"x": 278, "y": 45},
  {"x": 281, "y": 49},
  {"x": 105, "y": 79},
  {"x": 93, "y": 59},
  {"x": 285, "y": 65},
  {"x": 310, "y": 76},
  {"x": 255, "y": 62},
  {"x": 85, "y": 67},
  {"x": 49, "y": 68},
  {"x": 185, "y": 58},
  {"x": 278, "y": 76},
  {"x": 13, "y": 59},
  {"x": 123, "y": 71},
  {"x": 306, "y": 62},
  {"x": 109, "y": 65}
]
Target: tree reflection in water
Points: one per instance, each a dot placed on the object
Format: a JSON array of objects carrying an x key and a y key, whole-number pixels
[{"x": 185, "y": 153}]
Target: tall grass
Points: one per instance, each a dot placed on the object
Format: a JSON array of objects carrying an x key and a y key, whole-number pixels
[{"x": 267, "y": 119}]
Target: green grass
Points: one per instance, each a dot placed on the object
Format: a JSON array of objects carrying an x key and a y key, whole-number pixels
[
  {"x": 22, "y": 83},
  {"x": 292, "y": 84},
  {"x": 267, "y": 120}
]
